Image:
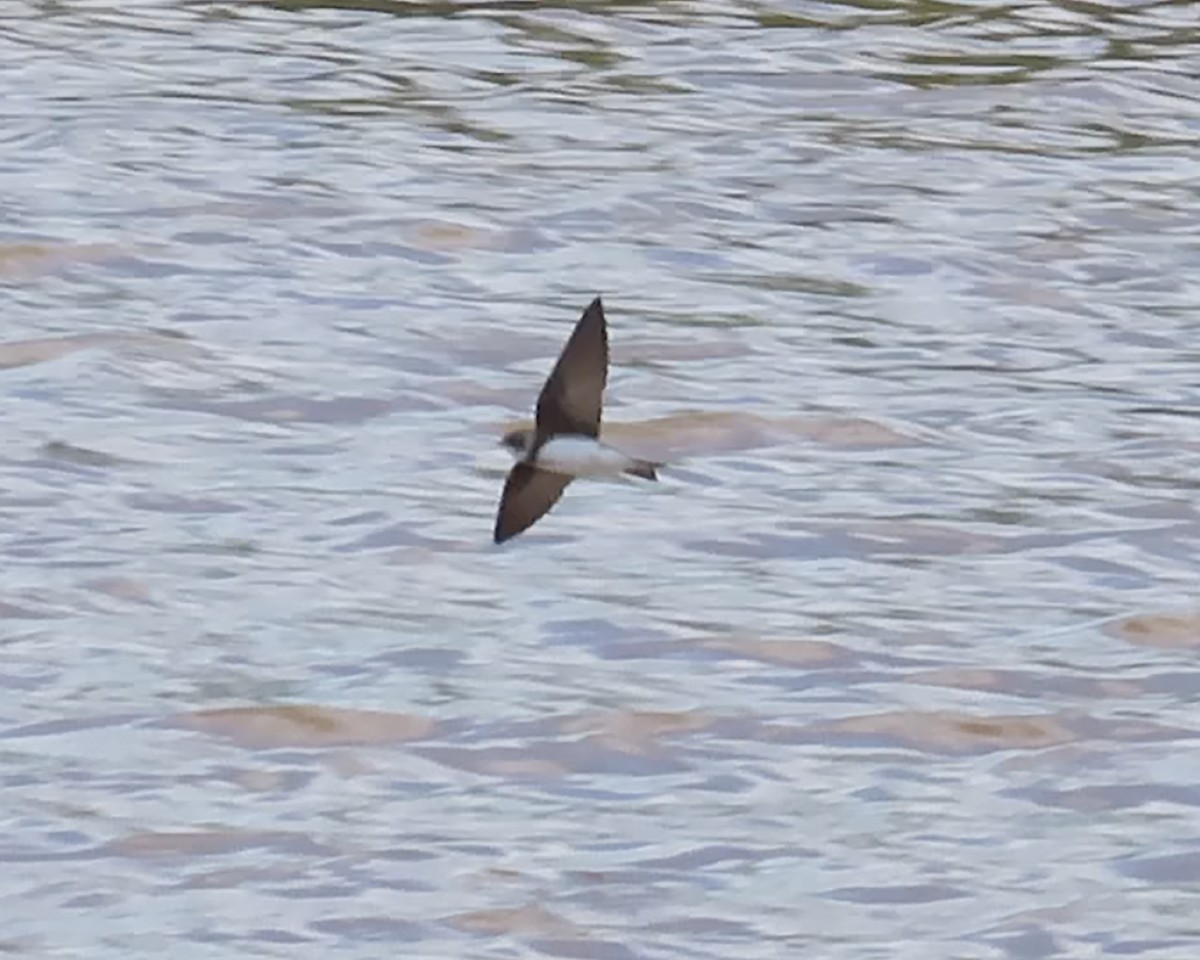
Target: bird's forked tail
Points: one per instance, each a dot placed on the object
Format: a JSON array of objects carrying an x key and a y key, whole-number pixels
[{"x": 644, "y": 469}]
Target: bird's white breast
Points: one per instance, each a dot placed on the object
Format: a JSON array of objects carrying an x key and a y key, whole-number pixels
[{"x": 581, "y": 456}]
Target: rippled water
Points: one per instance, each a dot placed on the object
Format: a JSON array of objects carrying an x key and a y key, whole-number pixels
[{"x": 899, "y": 658}]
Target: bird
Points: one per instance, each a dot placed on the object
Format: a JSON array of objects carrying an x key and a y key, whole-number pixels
[{"x": 564, "y": 442}]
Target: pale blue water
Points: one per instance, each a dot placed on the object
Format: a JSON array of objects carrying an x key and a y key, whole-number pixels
[{"x": 897, "y": 661}]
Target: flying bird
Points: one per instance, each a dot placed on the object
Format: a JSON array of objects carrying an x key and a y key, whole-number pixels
[{"x": 563, "y": 444}]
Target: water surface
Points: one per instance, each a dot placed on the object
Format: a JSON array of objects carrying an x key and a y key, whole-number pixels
[{"x": 897, "y": 661}]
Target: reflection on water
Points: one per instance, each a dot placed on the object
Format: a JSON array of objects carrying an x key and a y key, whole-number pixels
[{"x": 895, "y": 660}]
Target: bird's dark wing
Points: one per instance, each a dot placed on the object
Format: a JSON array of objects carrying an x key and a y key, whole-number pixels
[
  {"x": 571, "y": 399},
  {"x": 528, "y": 495}
]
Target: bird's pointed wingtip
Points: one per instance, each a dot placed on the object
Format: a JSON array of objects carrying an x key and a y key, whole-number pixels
[{"x": 594, "y": 312}]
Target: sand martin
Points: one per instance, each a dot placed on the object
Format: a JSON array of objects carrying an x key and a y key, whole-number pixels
[{"x": 563, "y": 444}]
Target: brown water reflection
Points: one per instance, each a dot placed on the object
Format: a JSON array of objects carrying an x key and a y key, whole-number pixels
[
  {"x": 1167, "y": 631},
  {"x": 27, "y": 260},
  {"x": 946, "y": 732},
  {"x": 307, "y": 726}
]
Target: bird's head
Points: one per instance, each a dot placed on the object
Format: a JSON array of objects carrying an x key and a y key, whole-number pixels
[{"x": 518, "y": 442}]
